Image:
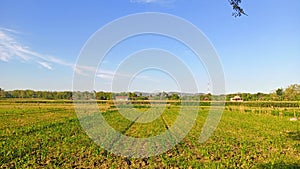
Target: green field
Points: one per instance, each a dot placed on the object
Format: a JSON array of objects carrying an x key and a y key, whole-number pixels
[{"x": 48, "y": 134}]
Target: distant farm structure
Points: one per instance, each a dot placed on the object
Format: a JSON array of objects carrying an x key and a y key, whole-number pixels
[
  {"x": 236, "y": 99},
  {"x": 122, "y": 98}
]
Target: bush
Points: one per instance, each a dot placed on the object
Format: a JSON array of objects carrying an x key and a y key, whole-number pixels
[
  {"x": 265, "y": 104},
  {"x": 248, "y": 110},
  {"x": 275, "y": 112},
  {"x": 288, "y": 113}
]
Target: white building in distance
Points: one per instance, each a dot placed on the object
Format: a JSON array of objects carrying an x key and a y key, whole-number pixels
[{"x": 236, "y": 99}]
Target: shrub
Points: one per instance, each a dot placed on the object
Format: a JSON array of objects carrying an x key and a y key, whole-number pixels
[
  {"x": 275, "y": 112},
  {"x": 288, "y": 113}
]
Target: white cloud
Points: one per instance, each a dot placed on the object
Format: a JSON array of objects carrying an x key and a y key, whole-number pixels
[
  {"x": 11, "y": 48},
  {"x": 109, "y": 75},
  {"x": 84, "y": 70},
  {"x": 45, "y": 65},
  {"x": 105, "y": 76}
]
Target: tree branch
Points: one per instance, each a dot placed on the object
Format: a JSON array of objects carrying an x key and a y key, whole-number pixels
[{"x": 238, "y": 11}]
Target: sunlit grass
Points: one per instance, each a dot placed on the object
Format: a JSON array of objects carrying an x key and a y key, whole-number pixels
[{"x": 49, "y": 135}]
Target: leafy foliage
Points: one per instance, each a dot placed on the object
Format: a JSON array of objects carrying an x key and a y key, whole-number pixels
[{"x": 291, "y": 93}]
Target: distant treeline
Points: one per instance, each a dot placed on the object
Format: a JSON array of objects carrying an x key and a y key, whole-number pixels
[
  {"x": 52, "y": 95},
  {"x": 291, "y": 93}
]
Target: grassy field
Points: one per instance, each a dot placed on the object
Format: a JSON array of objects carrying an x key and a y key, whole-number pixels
[{"x": 48, "y": 134}]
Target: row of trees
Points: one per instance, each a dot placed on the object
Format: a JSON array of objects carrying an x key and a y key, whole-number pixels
[
  {"x": 68, "y": 95},
  {"x": 291, "y": 93},
  {"x": 35, "y": 94}
]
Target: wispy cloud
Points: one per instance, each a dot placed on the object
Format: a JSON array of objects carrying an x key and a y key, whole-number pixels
[
  {"x": 84, "y": 70},
  {"x": 109, "y": 75},
  {"x": 45, "y": 65},
  {"x": 11, "y": 48}
]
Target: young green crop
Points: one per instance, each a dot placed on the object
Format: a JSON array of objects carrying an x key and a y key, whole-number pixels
[{"x": 48, "y": 135}]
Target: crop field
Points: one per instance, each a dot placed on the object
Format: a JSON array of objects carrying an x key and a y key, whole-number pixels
[{"x": 47, "y": 134}]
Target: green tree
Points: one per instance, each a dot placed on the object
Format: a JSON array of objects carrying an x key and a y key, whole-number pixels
[
  {"x": 174, "y": 96},
  {"x": 103, "y": 95},
  {"x": 132, "y": 96},
  {"x": 141, "y": 97},
  {"x": 246, "y": 96},
  {"x": 2, "y": 93},
  {"x": 279, "y": 93},
  {"x": 206, "y": 97},
  {"x": 259, "y": 96},
  {"x": 164, "y": 95},
  {"x": 292, "y": 92}
]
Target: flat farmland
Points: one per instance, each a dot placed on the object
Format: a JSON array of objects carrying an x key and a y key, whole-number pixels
[{"x": 47, "y": 134}]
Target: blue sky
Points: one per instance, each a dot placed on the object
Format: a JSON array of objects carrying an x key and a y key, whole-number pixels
[{"x": 41, "y": 40}]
